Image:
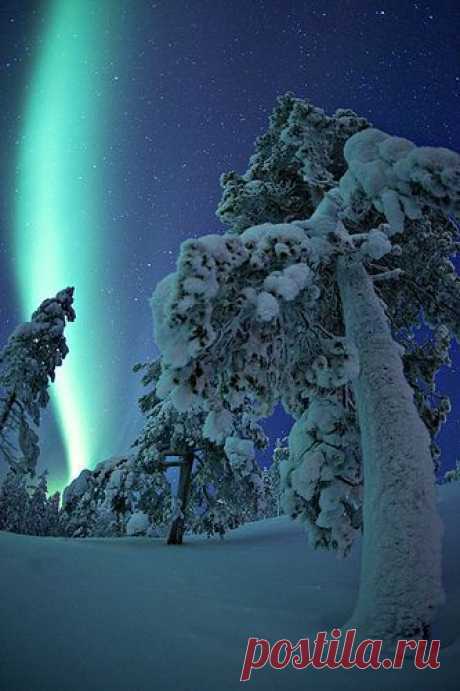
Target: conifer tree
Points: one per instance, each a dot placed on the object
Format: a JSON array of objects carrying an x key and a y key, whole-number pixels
[
  {"x": 118, "y": 497},
  {"x": 219, "y": 485},
  {"x": 52, "y": 519},
  {"x": 27, "y": 367},
  {"x": 272, "y": 478},
  {"x": 14, "y": 501},
  {"x": 37, "y": 513},
  {"x": 340, "y": 247}
]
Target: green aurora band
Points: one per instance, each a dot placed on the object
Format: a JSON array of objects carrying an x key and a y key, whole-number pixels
[{"x": 58, "y": 228}]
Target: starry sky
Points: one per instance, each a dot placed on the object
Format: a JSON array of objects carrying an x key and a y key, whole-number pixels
[{"x": 117, "y": 120}]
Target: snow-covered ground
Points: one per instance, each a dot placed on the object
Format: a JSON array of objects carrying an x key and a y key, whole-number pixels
[{"x": 134, "y": 614}]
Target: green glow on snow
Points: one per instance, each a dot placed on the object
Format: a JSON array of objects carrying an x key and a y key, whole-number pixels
[{"x": 58, "y": 238}]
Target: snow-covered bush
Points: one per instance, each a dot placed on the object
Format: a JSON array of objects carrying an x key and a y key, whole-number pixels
[{"x": 138, "y": 524}]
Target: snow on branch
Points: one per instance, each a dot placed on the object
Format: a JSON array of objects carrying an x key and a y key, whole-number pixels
[
  {"x": 399, "y": 179},
  {"x": 230, "y": 324}
]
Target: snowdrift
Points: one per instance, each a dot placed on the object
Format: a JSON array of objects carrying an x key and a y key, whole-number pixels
[{"x": 134, "y": 614}]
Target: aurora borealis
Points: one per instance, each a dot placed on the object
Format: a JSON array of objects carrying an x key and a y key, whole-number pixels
[
  {"x": 58, "y": 234},
  {"x": 119, "y": 118}
]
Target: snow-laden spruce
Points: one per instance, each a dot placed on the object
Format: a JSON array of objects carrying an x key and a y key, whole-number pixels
[
  {"x": 341, "y": 245},
  {"x": 27, "y": 366}
]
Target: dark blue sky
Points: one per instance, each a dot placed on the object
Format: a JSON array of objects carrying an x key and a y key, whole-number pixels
[{"x": 190, "y": 85}]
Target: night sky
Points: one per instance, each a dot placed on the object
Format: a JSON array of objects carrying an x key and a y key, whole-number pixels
[{"x": 117, "y": 120}]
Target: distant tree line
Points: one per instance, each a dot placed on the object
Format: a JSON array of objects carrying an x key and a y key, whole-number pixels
[{"x": 26, "y": 508}]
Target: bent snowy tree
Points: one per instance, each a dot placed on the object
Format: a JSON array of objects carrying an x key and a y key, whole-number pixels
[
  {"x": 340, "y": 245},
  {"x": 27, "y": 367}
]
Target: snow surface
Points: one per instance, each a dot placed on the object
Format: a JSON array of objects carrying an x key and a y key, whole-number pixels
[{"x": 134, "y": 614}]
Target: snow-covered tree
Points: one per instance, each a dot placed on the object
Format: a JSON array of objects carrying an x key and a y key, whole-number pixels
[
  {"x": 272, "y": 479},
  {"x": 52, "y": 520},
  {"x": 453, "y": 475},
  {"x": 27, "y": 366},
  {"x": 220, "y": 483},
  {"x": 119, "y": 497},
  {"x": 223, "y": 496},
  {"x": 269, "y": 508},
  {"x": 14, "y": 501},
  {"x": 25, "y": 507},
  {"x": 37, "y": 513},
  {"x": 340, "y": 247},
  {"x": 296, "y": 162}
]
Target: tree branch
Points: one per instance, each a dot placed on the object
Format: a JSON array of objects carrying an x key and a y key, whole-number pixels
[{"x": 387, "y": 275}]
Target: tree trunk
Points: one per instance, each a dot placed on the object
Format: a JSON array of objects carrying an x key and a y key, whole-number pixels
[
  {"x": 400, "y": 586},
  {"x": 176, "y": 531}
]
